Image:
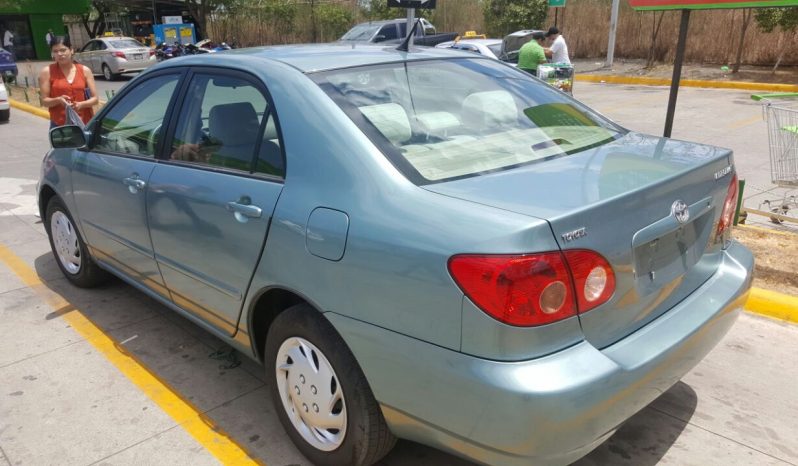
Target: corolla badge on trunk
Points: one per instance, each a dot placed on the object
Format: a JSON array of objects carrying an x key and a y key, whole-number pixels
[
  {"x": 576, "y": 234},
  {"x": 681, "y": 211}
]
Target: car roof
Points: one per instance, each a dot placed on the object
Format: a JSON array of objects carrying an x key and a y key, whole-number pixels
[{"x": 321, "y": 57}]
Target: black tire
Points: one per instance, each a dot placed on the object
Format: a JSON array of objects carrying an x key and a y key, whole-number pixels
[
  {"x": 108, "y": 75},
  {"x": 5, "y": 115},
  {"x": 367, "y": 437},
  {"x": 88, "y": 274}
]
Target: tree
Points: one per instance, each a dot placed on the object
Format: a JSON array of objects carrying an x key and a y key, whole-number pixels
[
  {"x": 332, "y": 20},
  {"x": 785, "y": 19},
  {"x": 505, "y": 16},
  {"x": 747, "y": 15},
  {"x": 202, "y": 9},
  {"x": 655, "y": 27}
]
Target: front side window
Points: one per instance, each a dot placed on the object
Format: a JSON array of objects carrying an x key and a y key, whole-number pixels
[
  {"x": 445, "y": 119},
  {"x": 134, "y": 124},
  {"x": 226, "y": 122},
  {"x": 388, "y": 32}
]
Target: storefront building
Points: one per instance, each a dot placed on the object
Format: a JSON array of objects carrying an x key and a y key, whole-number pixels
[{"x": 29, "y": 21}]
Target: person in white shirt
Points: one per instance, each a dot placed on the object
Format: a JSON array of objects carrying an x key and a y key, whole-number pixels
[
  {"x": 559, "y": 49},
  {"x": 8, "y": 43},
  {"x": 49, "y": 37}
]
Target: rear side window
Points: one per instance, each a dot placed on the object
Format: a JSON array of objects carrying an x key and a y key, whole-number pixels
[
  {"x": 438, "y": 120},
  {"x": 388, "y": 32},
  {"x": 226, "y": 122},
  {"x": 125, "y": 44}
]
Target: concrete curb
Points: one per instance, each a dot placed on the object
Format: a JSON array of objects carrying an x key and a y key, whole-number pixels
[
  {"x": 613, "y": 79},
  {"x": 30, "y": 108},
  {"x": 772, "y": 304}
]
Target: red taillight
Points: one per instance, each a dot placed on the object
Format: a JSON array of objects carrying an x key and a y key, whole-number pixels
[
  {"x": 522, "y": 290},
  {"x": 594, "y": 280},
  {"x": 152, "y": 52},
  {"x": 534, "y": 289},
  {"x": 119, "y": 54},
  {"x": 727, "y": 214}
]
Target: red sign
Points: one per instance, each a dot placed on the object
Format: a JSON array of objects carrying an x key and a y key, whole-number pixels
[{"x": 707, "y": 4}]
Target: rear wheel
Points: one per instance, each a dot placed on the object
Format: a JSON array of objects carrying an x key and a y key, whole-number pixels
[
  {"x": 5, "y": 114},
  {"x": 107, "y": 73},
  {"x": 69, "y": 249},
  {"x": 321, "y": 394}
]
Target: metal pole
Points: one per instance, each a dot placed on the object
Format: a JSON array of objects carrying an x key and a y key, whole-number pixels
[
  {"x": 154, "y": 14},
  {"x": 411, "y": 16},
  {"x": 677, "y": 72},
  {"x": 613, "y": 29}
]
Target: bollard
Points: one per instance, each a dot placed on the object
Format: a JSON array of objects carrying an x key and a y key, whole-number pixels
[{"x": 740, "y": 189}]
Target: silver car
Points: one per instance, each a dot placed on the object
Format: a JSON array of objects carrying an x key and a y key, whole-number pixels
[{"x": 112, "y": 56}]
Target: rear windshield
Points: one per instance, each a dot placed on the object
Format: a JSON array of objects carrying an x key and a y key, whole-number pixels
[
  {"x": 125, "y": 44},
  {"x": 439, "y": 120},
  {"x": 496, "y": 48}
]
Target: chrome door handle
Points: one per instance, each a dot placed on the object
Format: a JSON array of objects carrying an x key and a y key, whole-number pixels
[
  {"x": 134, "y": 183},
  {"x": 246, "y": 210}
]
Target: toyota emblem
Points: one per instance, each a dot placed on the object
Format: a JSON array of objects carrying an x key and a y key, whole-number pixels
[{"x": 680, "y": 210}]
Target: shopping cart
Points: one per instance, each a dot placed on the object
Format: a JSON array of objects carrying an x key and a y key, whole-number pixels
[
  {"x": 558, "y": 75},
  {"x": 781, "y": 113}
]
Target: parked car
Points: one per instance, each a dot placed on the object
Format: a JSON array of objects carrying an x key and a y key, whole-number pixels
[
  {"x": 491, "y": 48},
  {"x": 5, "y": 106},
  {"x": 512, "y": 43},
  {"x": 8, "y": 67},
  {"x": 429, "y": 245},
  {"x": 394, "y": 31},
  {"x": 112, "y": 56}
]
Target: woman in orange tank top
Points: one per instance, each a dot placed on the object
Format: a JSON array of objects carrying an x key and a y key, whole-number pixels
[{"x": 65, "y": 83}]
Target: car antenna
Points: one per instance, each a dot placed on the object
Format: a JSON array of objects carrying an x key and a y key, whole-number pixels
[{"x": 403, "y": 47}]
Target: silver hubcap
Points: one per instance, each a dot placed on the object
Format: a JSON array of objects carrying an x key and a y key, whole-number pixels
[
  {"x": 106, "y": 72},
  {"x": 311, "y": 394},
  {"x": 65, "y": 239}
]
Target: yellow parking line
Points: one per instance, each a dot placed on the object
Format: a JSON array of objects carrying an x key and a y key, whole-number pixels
[
  {"x": 199, "y": 426},
  {"x": 740, "y": 123}
]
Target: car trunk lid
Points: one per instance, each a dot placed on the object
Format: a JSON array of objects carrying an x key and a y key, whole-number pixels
[{"x": 619, "y": 200}]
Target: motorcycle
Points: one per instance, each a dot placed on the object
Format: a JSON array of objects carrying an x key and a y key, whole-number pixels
[{"x": 165, "y": 52}]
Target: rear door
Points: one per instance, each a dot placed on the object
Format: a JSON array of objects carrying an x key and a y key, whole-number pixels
[
  {"x": 84, "y": 56},
  {"x": 212, "y": 198},
  {"x": 110, "y": 178}
]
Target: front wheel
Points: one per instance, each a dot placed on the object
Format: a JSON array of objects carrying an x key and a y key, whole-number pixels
[
  {"x": 69, "y": 249},
  {"x": 321, "y": 394}
]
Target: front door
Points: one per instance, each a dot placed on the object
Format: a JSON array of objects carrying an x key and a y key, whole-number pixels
[
  {"x": 111, "y": 179},
  {"x": 211, "y": 199}
]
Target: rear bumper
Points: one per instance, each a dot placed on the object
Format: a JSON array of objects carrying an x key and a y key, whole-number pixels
[
  {"x": 550, "y": 410},
  {"x": 125, "y": 66}
]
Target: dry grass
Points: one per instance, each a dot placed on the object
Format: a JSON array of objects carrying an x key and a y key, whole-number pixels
[
  {"x": 713, "y": 35},
  {"x": 255, "y": 27}
]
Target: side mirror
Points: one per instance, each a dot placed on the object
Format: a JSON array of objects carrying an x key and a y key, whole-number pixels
[
  {"x": 379, "y": 38},
  {"x": 67, "y": 137}
]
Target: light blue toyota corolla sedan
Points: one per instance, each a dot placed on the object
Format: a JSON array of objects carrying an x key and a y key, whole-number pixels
[{"x": 427, "y": 245}]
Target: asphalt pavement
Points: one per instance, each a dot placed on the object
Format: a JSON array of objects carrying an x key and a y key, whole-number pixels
[{"x": 74, "y": 364}]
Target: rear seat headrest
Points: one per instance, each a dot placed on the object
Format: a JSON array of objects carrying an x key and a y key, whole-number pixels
[
  {"x": 489, "y": 109},
  {"x": 390, "y": 119}
]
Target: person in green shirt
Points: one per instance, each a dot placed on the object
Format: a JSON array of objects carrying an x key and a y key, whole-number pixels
[{"x": 533, "y": 53}]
